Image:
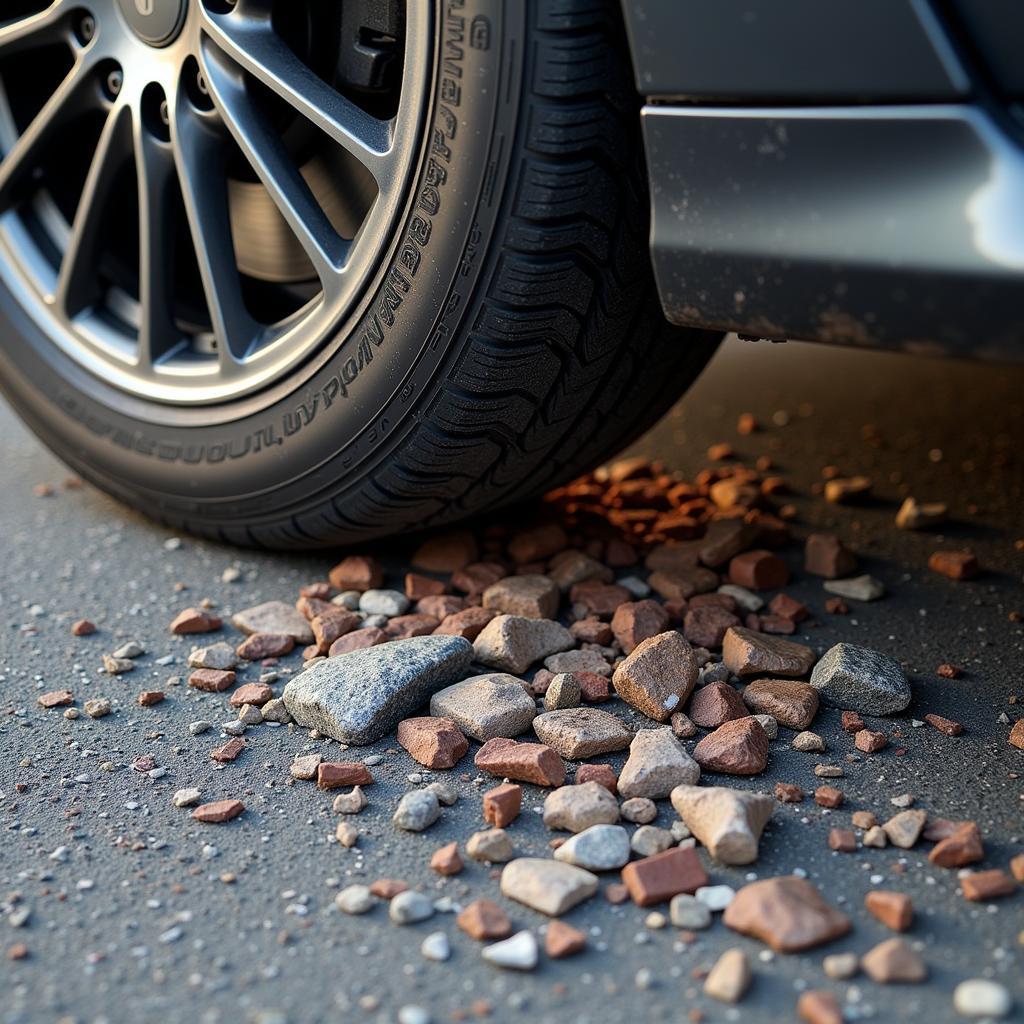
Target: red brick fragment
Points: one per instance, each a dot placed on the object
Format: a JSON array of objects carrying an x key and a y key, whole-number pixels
[
  {"x": 82, "y": 627},
  {"x": 418, "y": 586},
  {"x": 536, "y": 763},
  {"x": 357, "y": 572},
  {"x": 229, "y": 751},
  {"x": 387, "y": 888},
  {"x": 870, "y": 742},
  {"x": 842, "y": 840},
  {"x": 484, "y": 920},
  {"x": 948, "y": 671},
  {"x": 446, "y": 860},
  {"x": 957, "y": 565},
  {"x": 258, "y": 646},
  {"x": 256, "y": 694},
  {"x": 893, "y": 909},
  {"x": 474, "y": 579},
  {"x": 502, "y": 804},
  {"x": 434, "y": 742},
  {"x": 212, "y": 680},
  {"x": 602, "y": 774},
  {"x": 944, "y": 725},
  {"x": 788, "y": 607},
  {"x": 336, "y": 774},
  {"x": 836, "y": 606},
  {"x": 195, "y": 620},
  {"x": 987, "y": 885},
  {"x": 1017, "y": 734},
  {"x": 962, "y": 847},
  {"x": 659, "y": 878},
  {"x": 828, "y": 796},
  {"x": 758, "y": 570},
  {"x": 563, "y": 940},
  {"x": 219, "y": 811},
  {"x": 148, "y": 698},
  {"x": 55, "y": 699},
  {"x": 446, "y": 552},
  {"x": 331, "y": 625}
]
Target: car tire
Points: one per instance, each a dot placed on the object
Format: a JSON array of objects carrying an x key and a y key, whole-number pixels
[{"x": 511, "y": 338}]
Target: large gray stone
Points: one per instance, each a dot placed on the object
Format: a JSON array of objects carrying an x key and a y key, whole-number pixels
[
  {"x": 860, "y": 679},
  {"x": 487, "y": 706},
  {"x": 598, "y": 848},
  {"x": 360, "y": 696}
]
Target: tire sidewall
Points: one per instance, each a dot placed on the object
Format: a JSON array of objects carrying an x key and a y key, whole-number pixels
[{"x": 339, "y": 415}]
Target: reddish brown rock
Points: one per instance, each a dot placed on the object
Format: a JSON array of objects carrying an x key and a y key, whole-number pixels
[
  {"x": 758, "y": 570},
  {"x": 790, "y": 703},
  {"x": 502, "y": 804},
  {"x": 636, "y": 621},
  {"x": 256, "y": 694},
  {"x": 219, "y": 811},
  {"x": 658, "y": 677},
  {"x": 335, "y": 774},
  {"x": 601, "y": 599},
  {"x": 836, "y": 606},
  {"x": 446, "y": 860},
  {"x": 776, "y": 624},
  {"x": 1017, "y": 867},
  {"x": 603, "y": 774},
  {"x": 538, "y": 543},
  {"x": 418, "y": 586},
  {"x": 893, "y": 961},
  {"x": 82, "y": 627},
  {"x": 852, "y": 722},
  {"x": 230, "y": 750},
  {"x": 982, "y": 886},
  {"x": 957, "y": 565},
  {"x": 944, "y": 725},
  {"x": 357, "y": 572},
  {"x": 149, "y": 698},
  {"x": 467, "y": 623},
  {"x": 828, "y": 796},
  {"x": 484, "y": 921},
  {"x": 310, "y": 607},
  {"x": 212, "y": 680},
  {"x": 434, "y": 742},
  {"x": 819, "y": 1006},
  {"x": 893, "y": 909},
  {"x": 475, "y": 578},
  {"x": 788, "y": 793},
  {"x": 55, "y": 699},
  {"x": 724, "y": 539},
  {"x": 265, "y": 645},
  {"x": 446, "y": 552},
  {"x": 526, "y": 762},
  {"x": 825, "y": 555},
  {"x": 330, "y": 626},
  {"x": 401, "y": 627},
  {"x": 592, "y": 631},
  {"x": 659, "y": 878},
  {"x": 870, "y": 742},
  {"x": 1017, "y": 734},
  {"x": 739, "y": 747},
  {"x": 948, "y": 671},
  {"x": 683, "y": 584},
  {"x": 594, "y": 689},
  {"x": 842, "y": 840},
  {"x": 440, "y": 606},
  {"x": 714, "y": 705},
  {"x": 959, "y": 849},
  {"x": 357, "y": 640},
  {"x": 563, "y": 940},
  {"x": 788, "y": 914},
  {"x": 319, "y": 591},
  {"x": 706, "y": 626},
  {"x": 748, "y": 653},
  {"x": 787, "y": 607},
  {"x": 387, "y": 888},
  {"x": 195, "y": 620}
]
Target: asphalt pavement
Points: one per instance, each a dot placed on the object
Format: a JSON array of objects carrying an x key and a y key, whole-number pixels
[{"x": 138, "y": 913}]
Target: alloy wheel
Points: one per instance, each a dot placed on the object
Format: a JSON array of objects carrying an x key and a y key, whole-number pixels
[{"x": 194, "y": 193}]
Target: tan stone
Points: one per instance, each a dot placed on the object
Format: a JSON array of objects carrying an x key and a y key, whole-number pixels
[{"x": 658, "y": 677}]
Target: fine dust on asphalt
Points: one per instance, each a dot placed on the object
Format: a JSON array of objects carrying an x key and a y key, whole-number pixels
[{"x": 115, "y": 905}]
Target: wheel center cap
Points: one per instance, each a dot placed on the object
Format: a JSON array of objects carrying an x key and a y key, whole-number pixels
[{"x": 156, "y": 22}]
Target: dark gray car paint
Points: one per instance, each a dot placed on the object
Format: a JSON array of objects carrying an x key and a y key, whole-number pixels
[{"x": 785, "y": 206}]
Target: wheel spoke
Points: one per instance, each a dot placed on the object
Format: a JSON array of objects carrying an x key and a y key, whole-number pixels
[
  {"x": 69, "y": 99},
  {"x": 254, "y": 45},
  {"x": 270, "y": 160},
  {"x": 154, "y": 170},
  {"x": 78, "y": 280},
  {"x": 200, "y": 160},
  {"x": 32, "y": 30}
]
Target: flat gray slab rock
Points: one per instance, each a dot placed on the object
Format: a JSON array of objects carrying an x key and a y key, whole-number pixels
[
  {"x": 358, "y": 697},
  {"x": 860, "y": 679},
  {"x": 274, "y": 617},
  {"x": 486, "y": 706},
  {"x": 512, "y": 643},
  {"x": 579, "y": 733}
]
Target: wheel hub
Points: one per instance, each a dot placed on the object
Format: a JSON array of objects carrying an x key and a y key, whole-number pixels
[
  {"x": 155, "y": 22},
  {"x": 193, "y": 198}
]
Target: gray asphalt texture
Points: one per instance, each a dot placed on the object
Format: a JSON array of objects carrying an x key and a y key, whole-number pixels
[{"x": 137, "y": 925}]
